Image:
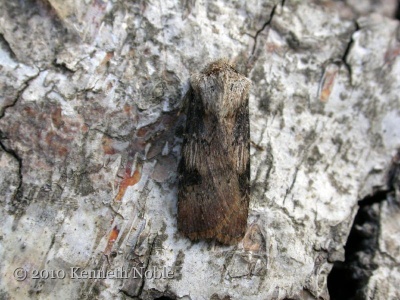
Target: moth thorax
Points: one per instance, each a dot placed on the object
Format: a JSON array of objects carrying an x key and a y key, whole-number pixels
[{"x": 221, "y": 96}]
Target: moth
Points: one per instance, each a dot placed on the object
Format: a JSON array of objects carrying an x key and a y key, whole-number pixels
[{"x": 214, "y": 171}]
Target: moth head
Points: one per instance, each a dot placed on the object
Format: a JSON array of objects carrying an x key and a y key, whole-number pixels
[{"x": 221, "y": 88}]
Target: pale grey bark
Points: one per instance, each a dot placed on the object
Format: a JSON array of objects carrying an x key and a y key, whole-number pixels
[{"x": 91, "y": 93}]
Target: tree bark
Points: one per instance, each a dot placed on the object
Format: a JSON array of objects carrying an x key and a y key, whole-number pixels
[{"x": 91, "y": 130}]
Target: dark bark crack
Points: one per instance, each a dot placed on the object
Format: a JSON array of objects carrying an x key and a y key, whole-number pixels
[
  {"x": 17, "y": 197},
  {"x": 141, "y": 287},
  {"x": 347, "y": 279},
  {"x": 126, "y": 294},
  {"x": 20, "y": 92},
  {"x": 347, "y": 51},
  {"x": 62, "y": 67},
  {"x": 7, "y": 47},
  {"x": 109, "y": 135},
  {"x": 147, "y": 265},
  {"x": 263, "y": 27},
  {"x": 18, "y": 192},
  {"x": 289, "y": 189}
]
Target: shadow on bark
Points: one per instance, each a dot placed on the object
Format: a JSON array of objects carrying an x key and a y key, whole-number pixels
[{"x": 347, "y": 279}]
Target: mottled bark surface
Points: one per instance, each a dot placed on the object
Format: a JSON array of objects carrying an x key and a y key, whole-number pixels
[{"x": 91, "y": 133}]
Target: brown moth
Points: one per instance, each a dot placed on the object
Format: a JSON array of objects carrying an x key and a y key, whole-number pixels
[{"x": 214, "y": 171}]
